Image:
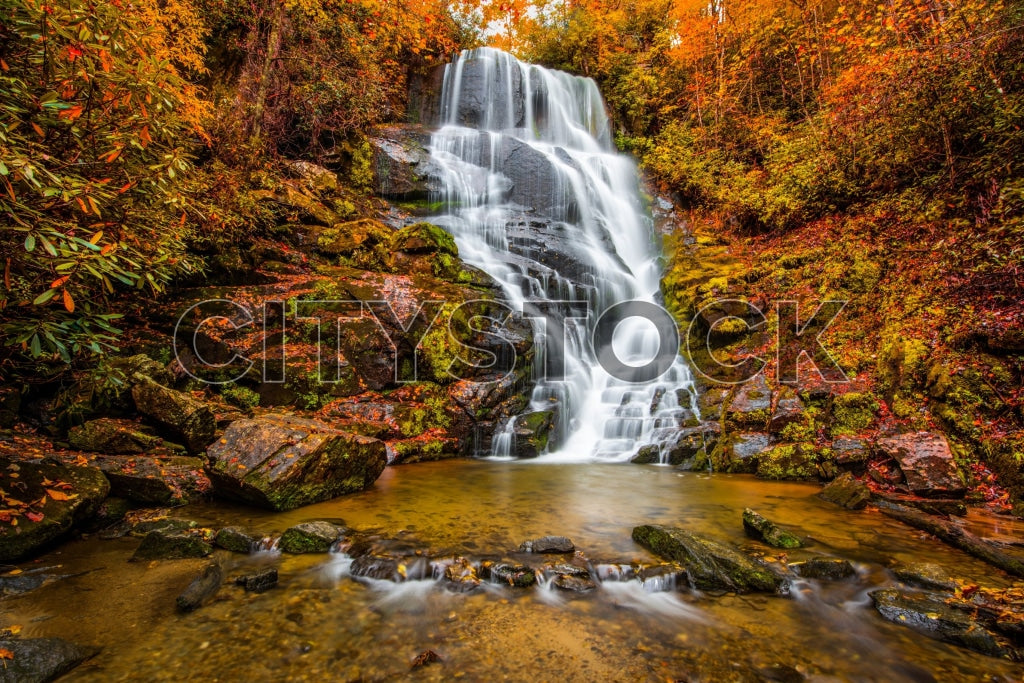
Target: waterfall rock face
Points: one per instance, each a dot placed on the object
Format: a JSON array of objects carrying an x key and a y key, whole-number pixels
[{"x": 536, "y": 196}]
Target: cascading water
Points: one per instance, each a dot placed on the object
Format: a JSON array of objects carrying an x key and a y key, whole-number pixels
[{"x": 535, "y": 195}]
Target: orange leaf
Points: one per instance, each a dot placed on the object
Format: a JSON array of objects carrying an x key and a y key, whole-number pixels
[
  {"x": 35, "y": 516},
  {"x": 38, "y": 129},
  {"x": 72, "y": 113},
  {"x": 69, "y": 304},
  {"x": 58, "y": 495},
  {"x": 54, "y": 285},
  {"x": 5, "y": 653}
]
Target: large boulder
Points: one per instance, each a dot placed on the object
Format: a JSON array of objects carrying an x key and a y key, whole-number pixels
[
  {"x": 155, "y": 480},
  {"x": 282, "y": 462},
  {"x": 36, "y": 660},
  {"x": 47, "y": 502},
  {"x": 181, "y": 416},
  {"x": 402, "y": 165},
  {"x": 709, "y": 564},
  {"x": 926, "y": 462},
  {"x": 482, "y": 91}
]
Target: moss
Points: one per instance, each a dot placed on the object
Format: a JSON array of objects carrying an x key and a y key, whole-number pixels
[
  {"x": 243, "y": 397},
  {"x": 788, "y": 461},
  {"x": 424, "y": 238},
  {"x": 360, "y": 173},
  {"x": 852, "y": 413}
]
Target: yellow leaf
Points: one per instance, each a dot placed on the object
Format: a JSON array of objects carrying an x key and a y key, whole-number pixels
[
  {"x": 55, "y": 494},
  {"x": 96, "y": 238}
]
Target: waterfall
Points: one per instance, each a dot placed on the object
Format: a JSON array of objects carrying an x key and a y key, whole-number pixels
[{"x": 536, "y": 195}]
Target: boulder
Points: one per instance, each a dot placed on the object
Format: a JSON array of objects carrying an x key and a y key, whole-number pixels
[
  {"x": 709, "y": 564},
  {"x": 116, "y": 437},
  {"x": 317, "y": 178},
  {"x": 570, "y": 578},
  {"x": 36, "y": 660},
  {"x": 155, "y": 481},
  {"x": 787, "y": 411},
  {"x": 309, "y": 537},
  {"x": 487, "y": 87},
  {"x": 424, "y": 238},
  {"x": 351, "y": 237},
  {"x": 202, "y": 588},
  {"x": 765, "y": 530},
  {"x": 711, "y": 402},
  {"x": 847, "y": 492},
  {"x": 851, "y": 454},
  {"x": 171, "y": 545},
  {"x": 282, "y": 462},
  {"x": 402, "y": 164},
  {"x": 236, "y": 540},
  {"x": 548, "y": 545},
  {"x": 739, "y": 452},
  {"x": 930, "y": 614},
  {"x": 824, "y": 568},
  {"x": 258, "y": 582},
  {"x": 647, "y": 455},
  {"x": 181, "y": 416},
  {"x": 926, "y": 462},
  {"x": 789, "y": 461},
  {"x": 376, "y": 567},
  {"x": 47, "y": 501}
]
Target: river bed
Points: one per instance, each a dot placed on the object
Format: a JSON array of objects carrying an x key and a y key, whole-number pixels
[{"x": 320, "y": 624}]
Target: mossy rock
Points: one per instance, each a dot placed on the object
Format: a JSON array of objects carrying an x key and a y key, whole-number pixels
[
  {"x": 788, "y": 461},
  {"x": 852, "y": 413},
  {"x": 172, "y": 545},
  {"x": 765, "y": 530},
  {"x": 236, "y": 540},
  {"x": 424, "y": 238},
  {"x": 309, "y": 537}
]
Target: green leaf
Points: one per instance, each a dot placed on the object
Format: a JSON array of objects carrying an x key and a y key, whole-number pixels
[
  {"x": 44, "y": 297},
  {"x": 30, "y": 243},
  {"x": 36, "y": 346}
]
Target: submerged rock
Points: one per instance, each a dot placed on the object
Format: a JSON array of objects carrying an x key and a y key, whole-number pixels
[
  {"x": 282, "y": 462},
  {"x": 258, "y": 582},
  {"x": 847, "y": 492},
  {"x": 709, "y": 564},
  {"x": 202, "y": 588},
  {"x": 762, "y": 529},
  {"x": 376, "y": 567},
  {"x": 926, "y": 463},
  {"x": 35, "y": 660},
  {"x": 57, "y": 498},
  {"x": 929, "y": 613},
  {"x": 570, "y": 578},
  {"x": 826, "y": 568},
  {"x": 181, "y": 416},
  {"x": 548, "y": 545},
  {"x": 171, "y": 545},
  {"x": 925, "y": 575},
  {"x": 309, "y": 537}
]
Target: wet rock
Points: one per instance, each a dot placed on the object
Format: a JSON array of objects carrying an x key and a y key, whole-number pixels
[
  {"x": 787, "y": 411},
  {"x": 258, "y": 582},
  {"x": 738, "y": 453},
  {"x": 789, "y": 461},
  {"x": 515, "y": 575},
  {"x": 536, "y": 181},
  {"x": 292, "y": 195},
  {"x": 202, "y": 588},
  {"x": 426, "y": 657},
  {"x": 709, "y": 564},
  {"x": 751, "y": 405},
  {"x": 181, "y": 416},
  {"x": 403, "y": 167},
  {"x": 70, "y": 498},
  {"x": 647, "y": 455},
  {"x": 164, "y": 524},
  {"x": 925, "y": 575},
  {"x": 928, "y": 613},
  {"x": 824, "y": 568},
  {"x": 111, "y": 511},
  {"x": 116, "y": 437},
  {"x": 309, "y": 537},
  {"x": 27, "y": 581},
  {"x": 36, "y": 660},
  {"x": 479, "y": 94},
  {"x": 532, "y": 433},
  {"x": 236, "y": 540},
  {"x": 933, "y": 506},
  {"x": 352, "y": 237},
  {"x": 461, "y": 576},
  {"x": 662, "y": 578},
  {"x": 847, "y": 492},
  {"x": 152, "y": 480},
  {"x": 851, "y": 454},
  {"x": 171, "y": 545},
  {"x": 282, "y": 462},
  {"x": 570, "y": 578},
  {"x": 376, "y": 567},
  {"x": 711, "y": 402},
  {"x": 690, "y": 451},
  {"x": 765, "y": 530},
  {"x": 548, "y": 545},
  {"x": 926, "y": 463}
]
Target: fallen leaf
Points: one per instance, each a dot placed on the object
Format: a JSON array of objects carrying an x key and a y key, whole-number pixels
[{"x": 58, "y": 495}]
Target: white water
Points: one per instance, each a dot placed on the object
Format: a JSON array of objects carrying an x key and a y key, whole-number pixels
[{"x": 579, "y": 209}]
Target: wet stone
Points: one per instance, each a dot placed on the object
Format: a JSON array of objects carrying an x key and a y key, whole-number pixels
[
  {"x": 824, "y": 568},
  {"x": 765, "y": 530},
  {"x": 258, "y": 582},
  {"x": 202, "y": 588},
  {"x": 515, "y": 575},
  {"x": 34, "y": 660},
  {"x": 548, "y": 545},
  {"x": 925, "y": 575},
  {"x": 236, "y": 540},
  {"x": 847, "y": 492},
  {"x": 163, "y": 545},
  {"x": 309, "y": 537}
]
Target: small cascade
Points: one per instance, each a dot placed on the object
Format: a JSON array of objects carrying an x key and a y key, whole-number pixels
[{"x": 536, "y": 195}]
